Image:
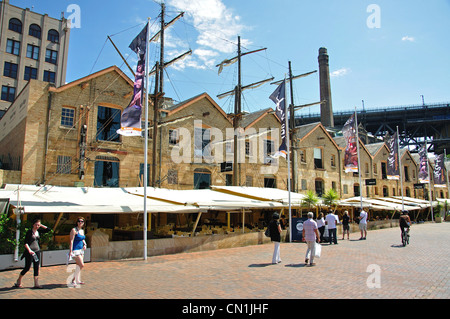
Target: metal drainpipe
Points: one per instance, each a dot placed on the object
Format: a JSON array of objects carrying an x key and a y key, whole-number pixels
[{"x": 49, "y": 110}]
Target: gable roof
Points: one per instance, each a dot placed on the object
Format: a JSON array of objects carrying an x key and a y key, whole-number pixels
[
  {"x": 304, "y": 131},
  {"x": 93, "y": 76},
  {"x": 250, "y": 119},
  {"x": 182, "y": 105},
  {"x": 374, "y": 148},
  {"x": 342, "y": 143}
]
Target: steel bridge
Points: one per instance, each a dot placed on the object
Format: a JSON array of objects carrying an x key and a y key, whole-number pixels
[{"x": 416, "y": 124}]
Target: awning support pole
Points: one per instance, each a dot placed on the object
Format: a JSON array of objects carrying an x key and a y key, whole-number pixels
[
  {"x": 196, "y": 223},
  {"x": 57, "y": 221},
  {"x": 243, "y": 220}
]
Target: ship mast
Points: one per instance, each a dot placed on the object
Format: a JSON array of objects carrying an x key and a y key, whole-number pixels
[{"x": 237, "y": 92}]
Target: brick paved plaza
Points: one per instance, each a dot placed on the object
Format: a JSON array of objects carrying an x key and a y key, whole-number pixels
[{"x": 376, "y": 268}]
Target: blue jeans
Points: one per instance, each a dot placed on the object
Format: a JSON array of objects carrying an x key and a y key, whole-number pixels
[{"x": 332, "y": 235}]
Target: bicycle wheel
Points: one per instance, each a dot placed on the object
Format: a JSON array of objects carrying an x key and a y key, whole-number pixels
[{"x": 404, "y": 239}]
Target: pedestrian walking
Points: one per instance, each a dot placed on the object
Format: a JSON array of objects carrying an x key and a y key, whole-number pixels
[
  {"x": 346, "y": 225},
  {"x": 275, "y": 237},
  {"x": 77, "y": 248},
  {"x": 332, "y": 221},
  {"x": 32, "y": 252},
  {"x": 310, "y": 234},
  {"x": 321, "y": 226},
  {"x": 363, "y": 224}
]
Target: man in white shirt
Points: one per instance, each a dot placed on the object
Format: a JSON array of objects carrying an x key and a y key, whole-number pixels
[
  {"x": 332, "y": 221},
  {"x": 363, "y": 224}
]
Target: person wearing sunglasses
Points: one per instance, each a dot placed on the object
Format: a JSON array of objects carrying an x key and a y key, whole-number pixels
[{"x": 77, "y": 248}]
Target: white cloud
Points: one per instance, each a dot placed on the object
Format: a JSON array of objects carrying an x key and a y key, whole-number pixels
[
  {"x": 408, "y": 38},
  {"x": 217, "y": 27},
  {"x": 340, "y": 72}
]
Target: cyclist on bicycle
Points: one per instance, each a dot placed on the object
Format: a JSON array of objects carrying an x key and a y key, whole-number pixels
[{"x": 405, "y": 222}]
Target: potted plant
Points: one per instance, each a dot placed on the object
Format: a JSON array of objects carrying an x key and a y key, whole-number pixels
[
  {"x": 437, "y": 215},
  {"x": 437, "y": 218}
]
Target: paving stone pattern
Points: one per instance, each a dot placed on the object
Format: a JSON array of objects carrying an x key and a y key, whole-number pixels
[{"x": 376, "y": 268}]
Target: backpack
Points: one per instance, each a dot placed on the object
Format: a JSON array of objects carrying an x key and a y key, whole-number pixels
[{"x": 267, "y": 232}]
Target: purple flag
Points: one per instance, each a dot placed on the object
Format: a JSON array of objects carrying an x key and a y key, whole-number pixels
[
  {"x": 423, "y": 166},
  {"x": 130, "y": 122},
  {"x": 393, "y": 171},
  {"x": 351, "y": 150}
]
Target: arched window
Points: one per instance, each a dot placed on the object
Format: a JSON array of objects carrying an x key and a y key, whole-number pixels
[
  {"x": 106, "y": 171},
  {"x": 15, "y": 25},
  {"x": 35, "y": 31},
  {"x": 53, "y": 36},
  {"x": 202, "y": 178}
]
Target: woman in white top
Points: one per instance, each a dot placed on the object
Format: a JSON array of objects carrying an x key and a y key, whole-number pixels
[{"x": 321, "y": 225}]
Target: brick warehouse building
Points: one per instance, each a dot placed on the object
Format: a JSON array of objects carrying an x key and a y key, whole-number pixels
[{"x": 67, "y": 136}]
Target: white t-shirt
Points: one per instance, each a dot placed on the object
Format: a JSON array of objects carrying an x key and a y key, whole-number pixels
[
  {"x": 331, "y": 219},
  {"x": 320, "y": 222},
  {"x": 363, "y": 216}
]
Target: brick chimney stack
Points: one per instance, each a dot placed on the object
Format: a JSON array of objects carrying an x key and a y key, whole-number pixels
[{"x": 326, "y": 109}]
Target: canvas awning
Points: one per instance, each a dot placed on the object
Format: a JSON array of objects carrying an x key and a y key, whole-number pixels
[
  {"x": 420, "y": 203},
  {"x": 262, "y": 194},
  {"x": 376, "y": 204},
  {"x": 56, "y": 199},
  {"x": 206, "y": 199}
]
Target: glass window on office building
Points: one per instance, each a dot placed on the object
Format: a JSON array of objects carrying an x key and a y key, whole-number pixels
[
  {"x": 51, "y": 56},
  {"x": 13, "y": 47},
  {"x": 30, "y": 73},
  {"x": 32, "y": 52},
  {"x": 8, "y": 93},
  {"x": 35, "y": 31},
  {"x": 53, "y": 36},
  {"x": 15, "y": 25},
  {"x": 50, "y": 76},
  {"x": 10, "y": 70}
]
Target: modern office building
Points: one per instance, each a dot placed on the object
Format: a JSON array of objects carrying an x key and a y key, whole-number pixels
[{"x": 32, "y": 46}]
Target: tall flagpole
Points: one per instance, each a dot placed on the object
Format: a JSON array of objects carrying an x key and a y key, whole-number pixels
[
  {"x": 288, "y": 157},
  {"x": 400, "y": 168},
  {"x": 147, "y": 41},
  {"x": 359, "y": 160}
]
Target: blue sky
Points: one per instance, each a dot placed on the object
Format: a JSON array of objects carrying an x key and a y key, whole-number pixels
[{"x": 395, "y": 64}]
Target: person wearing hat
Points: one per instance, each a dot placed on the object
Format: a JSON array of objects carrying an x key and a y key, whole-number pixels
[{"x": 275, "y": 237}]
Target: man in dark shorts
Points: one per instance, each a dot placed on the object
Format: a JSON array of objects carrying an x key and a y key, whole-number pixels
[{"x": 345, "y": 225}]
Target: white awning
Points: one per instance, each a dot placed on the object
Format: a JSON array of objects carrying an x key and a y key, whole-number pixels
[
  {"x": 205, "y": 199},
  {"x": 262, "y": 194},
  {"x": 377, "y": 203},
  {"x": 56, "y": 199}
]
